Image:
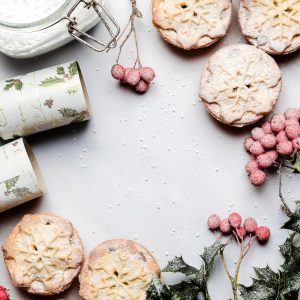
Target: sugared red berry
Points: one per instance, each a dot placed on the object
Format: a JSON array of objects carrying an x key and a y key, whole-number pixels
[
  {"x": 268, "y": 141},
  {"x": 213, "y": 222},
  {"x": 258, "y": 177},
  {"x": 296, "y": 143},
  {"x": 273, "y": 154},
  {"x": 147, "y": 74},
  {"x": 291, "y": 113},
  {"x": 292, "y": 131},
  {"x": 285, "y": 148},
  {"x": 118, "y": 72},
  {"x": 278, "y": 123},
  {"x": 132, "y": 76},
  {"x": 256, "y": 148},
  {"x": 257, "y": 133},
  {"x": 241, "y": 232},
  {"x": 262, "y": 233},
  {"x": 142, "y": 86},
  {"x": 248, "y": 142},
  {"x": 251, "y": 166},
  {"x": 264, "y": 161},
  {"x": 225, "y": 226},
  {"x": 266, "y": 127},
  {"x": 250, "y": 225},
  {"x": 281, "y": 137},
  {"x": 235, "y": 220}
]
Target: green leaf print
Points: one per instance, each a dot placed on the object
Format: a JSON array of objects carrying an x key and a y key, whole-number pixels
[
  {"x": 21, "y": 192},
  {"x": 16, "y": 83},
  {"x": 73, "y": 69},
  {"x": 72, "y": 90},
  {"x": 10, "y": 183},
  {"x": 60, "y": 70},
  {"x": 50, "y": 81},
  {"x": 68, "y": 112}
]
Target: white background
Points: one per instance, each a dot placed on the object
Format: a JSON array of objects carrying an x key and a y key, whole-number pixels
[{"x": 152, "y": 167}]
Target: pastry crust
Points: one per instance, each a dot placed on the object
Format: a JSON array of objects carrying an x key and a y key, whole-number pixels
[
  {"x": 43, "y": 254},
  {"x": 271, "y": 25},
  {"x": 117, "y": 269},
  {"x": 240, "y": 84},
  {"x": 192, "y": 24}
]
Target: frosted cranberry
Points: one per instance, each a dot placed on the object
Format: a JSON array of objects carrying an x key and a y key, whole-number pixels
[
  {"x": 285, "y": 148},
  {"x": 132, "y": 76},
  {"x": 147, "y": 74},
  {"x": 292, "y": 131},
  {"x": 257, "y": 133},
  {"x": 3, "y": 293},
  {"x": 225, "y": 226},
  {"x": 292, "y": 113},
  {"x": 266, "y": 127},
  {"x": 251, "y": 166},
  {"x": 118, "y": 72},
  {"x": 262, "y": 233},
  {"x": 273, "y": 155},
  {"x": 250, "y": 225},
  {"x": 235, "y": 220},
  {"x": 213, "y": 222},
  {"x": 278, "y": 123},
  {"x": 264, "y": 161},
  {"x": 248, "y": 142},
  {"x": 258, "y": 177},
  {"x": 142, "y": 86},
  {"x": 269, "y": 141},
  {"x": 281, "y": 137},
  {"x": 256, "y": 148}
]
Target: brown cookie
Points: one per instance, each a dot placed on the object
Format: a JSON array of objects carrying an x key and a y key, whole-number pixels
[
  {"x": 43, "y": 254},
  {"x": 271, "y": 25},
  {"x": 240, "y": 84},
  {"x": 192, "y": 24},
  {"x": 117, "y": 269}
]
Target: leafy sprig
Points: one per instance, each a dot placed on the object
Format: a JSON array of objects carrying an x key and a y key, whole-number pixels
[{"x": 16, "y": 83}]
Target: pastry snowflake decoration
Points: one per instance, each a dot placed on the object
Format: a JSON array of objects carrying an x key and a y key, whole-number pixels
[
  {"x": 240, "y": 84},
  {"x": 272, "y": 25},
  {"x": 43, "y": 254},
  {"x": 192, "y": 24}
]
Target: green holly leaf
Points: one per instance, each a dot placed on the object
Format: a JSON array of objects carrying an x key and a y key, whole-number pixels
[
  {"x": 185, "y": 291},
  {"x": 158, "y": 290},
  {"x": 50, "y": 81},
  {"x": 294, "y": 222},
  {"x": 73, "y": 69},
  {"x": 10, "y": 183},
  {"x": 283, "y": 285},
  {"x": 178, "y": 265},
  {"x": 60, "y": 70},
  {"x": 209, "y": 255},
  {"x": 296, "y": 162}
]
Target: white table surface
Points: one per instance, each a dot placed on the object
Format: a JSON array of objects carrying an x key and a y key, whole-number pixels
[{"x": 152, "y": 167}]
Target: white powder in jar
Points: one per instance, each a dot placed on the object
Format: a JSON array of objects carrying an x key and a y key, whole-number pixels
[{"x": 17, "y": 13}]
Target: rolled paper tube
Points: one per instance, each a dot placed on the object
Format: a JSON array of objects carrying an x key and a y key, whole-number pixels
[
  {"x": 20, "y": 176},
  {"x": 43, "y": 100}
]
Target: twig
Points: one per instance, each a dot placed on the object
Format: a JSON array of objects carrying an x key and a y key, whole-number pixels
[{"x": 284, "y": 205}]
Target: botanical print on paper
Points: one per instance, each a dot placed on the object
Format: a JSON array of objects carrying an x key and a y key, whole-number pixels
[
  {"x": 13, "y": 83},
  {"x": 68, "y": 112},
  {"x": 11, "y": 188},
  {"x": 49, "y": 102},
  {"x": 62, "y": 75}
]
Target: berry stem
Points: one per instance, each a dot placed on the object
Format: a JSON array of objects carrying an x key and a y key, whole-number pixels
[
  {"x": 134, "y": 13},
  {"x": 285, "y": 208}
]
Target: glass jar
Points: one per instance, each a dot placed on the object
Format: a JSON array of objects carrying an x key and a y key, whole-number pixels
[{"x": 32, "y": 27}]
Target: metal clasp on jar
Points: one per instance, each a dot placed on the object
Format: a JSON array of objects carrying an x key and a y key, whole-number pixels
[{"x": 87, "y": 39}]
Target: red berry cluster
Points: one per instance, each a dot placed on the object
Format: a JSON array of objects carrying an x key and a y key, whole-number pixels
[
  {"x": 138, "y": 78},
  {"x": 233, "y": 225},
  {"x": 278, "y": 138},
  {"x": 3, "y": 293}
]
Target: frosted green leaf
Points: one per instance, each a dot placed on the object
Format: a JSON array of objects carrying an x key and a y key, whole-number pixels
[
  {"x": 294, "y": 222},
  {"x": 178, "y": 265},
  {"x": 296, "y": 162}
]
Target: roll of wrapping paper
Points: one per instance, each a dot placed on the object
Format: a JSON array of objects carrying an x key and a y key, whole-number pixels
[
  {"x": 20, "y": 176},
  {"x": 43, "y": 100}
]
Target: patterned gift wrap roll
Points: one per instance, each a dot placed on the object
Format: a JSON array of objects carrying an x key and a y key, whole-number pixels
[
  {"x": 43, "y": 100},
  {"x": 20, "y": 177}
]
